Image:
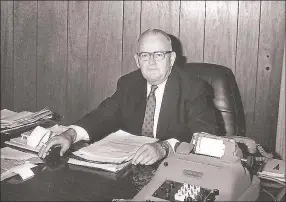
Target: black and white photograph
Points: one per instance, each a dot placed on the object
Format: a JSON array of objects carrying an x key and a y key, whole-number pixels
[{"x": 142, "y": 100}]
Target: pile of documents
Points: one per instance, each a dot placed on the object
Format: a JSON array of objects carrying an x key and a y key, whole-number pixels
[
  {"x": 274, "y": 169},
  {"x": 112, "y": 153},
  {"x": 11, "y": 121}
]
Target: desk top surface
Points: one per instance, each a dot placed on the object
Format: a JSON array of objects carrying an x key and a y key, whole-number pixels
[
  {"x": 56, "y": 180},
  {"x": 69, "y": 182}
]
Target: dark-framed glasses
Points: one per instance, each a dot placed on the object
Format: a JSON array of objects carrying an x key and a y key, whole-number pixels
[{"x": 158, "y": 55}]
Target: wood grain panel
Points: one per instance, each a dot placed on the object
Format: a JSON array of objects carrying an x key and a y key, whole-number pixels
[
  {"x": 272, "y": 36},
  {"x": 220, "y": 33},
  {"x": 104, "y": 49},
  {"x": 52, "y": 55},
  {"x": 131, "y": 32},
  {"x": 77, "y": 60},
  {"x": 246, "y": 58},
  {"x": 25, "y": 71},
  {"x": 280, "y": 138},
  {"x": 7, "y": 69},
  {"x": 161, "y": 15},
  {"x": 192, "y": 23}
]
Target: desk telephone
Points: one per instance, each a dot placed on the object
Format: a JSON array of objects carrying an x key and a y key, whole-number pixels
[{"x": 210, "y": 168}]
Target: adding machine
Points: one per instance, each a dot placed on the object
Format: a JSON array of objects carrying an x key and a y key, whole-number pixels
[{"x": 210, "y": 168}]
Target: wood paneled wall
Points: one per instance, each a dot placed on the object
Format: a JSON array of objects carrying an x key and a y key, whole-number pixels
[
  {"x": 68, "y": 55},
  {"x": 281, "y": 136}
]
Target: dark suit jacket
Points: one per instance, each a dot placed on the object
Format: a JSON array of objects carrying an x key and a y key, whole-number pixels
[{"x": 187, "y": 107}]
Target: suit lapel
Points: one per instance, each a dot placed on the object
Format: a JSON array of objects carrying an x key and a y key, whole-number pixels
[
  {"x": 139, "y": 104},
  {"x": 168, "y": 111}
]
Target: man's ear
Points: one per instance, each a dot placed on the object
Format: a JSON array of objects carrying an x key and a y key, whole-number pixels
[
  {"x": 137, "y": 60},
  {"x": 173, "y": 58}
]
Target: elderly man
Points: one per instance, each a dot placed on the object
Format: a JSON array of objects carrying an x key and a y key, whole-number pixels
[{"x": 158, "y": 100}]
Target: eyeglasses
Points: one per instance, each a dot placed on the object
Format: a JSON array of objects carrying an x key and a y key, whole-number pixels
[{"x": 158, "y": 55}]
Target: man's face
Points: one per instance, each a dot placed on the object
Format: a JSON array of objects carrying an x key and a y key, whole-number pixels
[{"x": 154, "y": 69}]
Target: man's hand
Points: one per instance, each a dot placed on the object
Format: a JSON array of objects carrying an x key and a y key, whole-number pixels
[
  {"x": 64, "y": 139},
  {"x": 148, "y": 154}
]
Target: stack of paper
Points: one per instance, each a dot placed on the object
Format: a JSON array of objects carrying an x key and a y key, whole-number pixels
[
  {"x": 104, "y": 173},
  {"x": 112, "y": 153},
  {"x": 104, "y": 166},
  {"x": 11, "y": 121},
  {"x": 273, "y": 169}
]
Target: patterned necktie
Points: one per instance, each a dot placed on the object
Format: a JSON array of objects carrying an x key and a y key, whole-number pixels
[{"x": 147, "y": 128}]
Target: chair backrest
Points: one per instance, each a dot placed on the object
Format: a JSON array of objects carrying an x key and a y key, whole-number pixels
[{"x": 226, "y": 96}]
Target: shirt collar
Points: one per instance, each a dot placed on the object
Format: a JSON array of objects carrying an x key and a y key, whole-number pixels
[{"x": 160, "y": 86}]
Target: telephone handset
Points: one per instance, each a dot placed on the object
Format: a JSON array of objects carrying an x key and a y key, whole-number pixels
[
  {"x": 249, "y": 143},
  {"x": 252, "y": 147},
  {"x": 220, "y": 146}
]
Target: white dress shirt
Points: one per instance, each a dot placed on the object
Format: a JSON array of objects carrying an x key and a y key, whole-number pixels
[{"x": 81, "y": 133}]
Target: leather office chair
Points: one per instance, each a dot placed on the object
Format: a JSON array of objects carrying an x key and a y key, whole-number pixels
[{"x": 226, "y": 96}]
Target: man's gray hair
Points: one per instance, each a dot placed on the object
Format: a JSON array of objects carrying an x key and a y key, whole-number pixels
[{"x": 154, "y": 32}]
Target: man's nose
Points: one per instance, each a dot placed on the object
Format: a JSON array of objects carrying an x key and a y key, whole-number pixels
[{"x": 152, "y": 60}]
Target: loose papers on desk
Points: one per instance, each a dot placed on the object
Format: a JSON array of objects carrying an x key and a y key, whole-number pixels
[
  {"x": 11, "y": 121},
  {"x": 113, "y": 152},
  {"x": 10, "y": 153},
  {"x": 16, "y": 162}
]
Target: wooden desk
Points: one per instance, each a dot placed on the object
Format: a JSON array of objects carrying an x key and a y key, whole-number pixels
[
  {"x": 276, "y": 190},
  {"x": 57, "y": 180},
  {"x": 74, "y": 183},
  {"x": 70, "y": 183}
]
